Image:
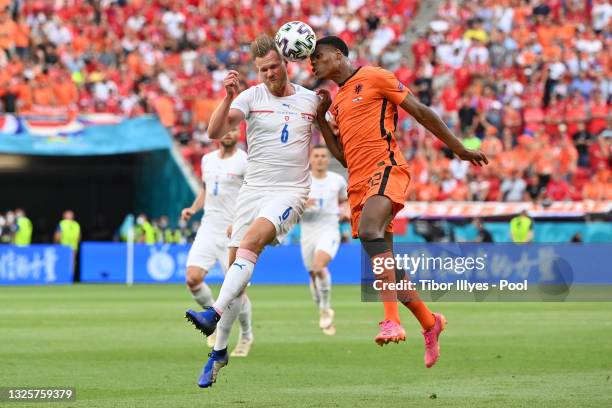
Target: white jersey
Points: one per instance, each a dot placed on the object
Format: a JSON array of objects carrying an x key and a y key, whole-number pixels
[
  {"x": 223, "y": 179},
  {"x": 278, "y": 136},
  {"x": 326, "y": 192}
]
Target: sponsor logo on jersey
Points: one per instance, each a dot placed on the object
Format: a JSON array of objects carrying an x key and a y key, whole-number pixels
[{"x": 359, "y": 98}]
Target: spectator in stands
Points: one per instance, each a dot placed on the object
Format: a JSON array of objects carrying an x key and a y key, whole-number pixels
[
  {"x": 576, "y": 238},
  {"x": 491, "y": 145},
  {"x": 534, "y": 191},
  {"x": 479, "y": 187},
  {"x": 582, "y": 139},
  {"x": 126, "y": 230},
  {"x": 68, "y": 231},
  {"x": 600, "y": 153},
  {"x": 189, "y": 234},
  {"x": 599, "y": 188},
  {"x": 8, "y": 228},
  {"x": 558, "y": 189},
  {"x": 482, "y": 234},
  {"x": 182, "y": 235},
  {"x": 145, "y": 232},
  {"x": 599, "y": 112},
  {"x": 513, "y": 188},
  {"x": 23, "y": 232},
  {"x": 5, "y": 231},
  {"x": 459, "y": 168},
  {"x": 521, "y": 228},
  {"x": 566, "y": 158},
  {"x": 447, "y": 185},
  {"x": 467, "y": 114}
]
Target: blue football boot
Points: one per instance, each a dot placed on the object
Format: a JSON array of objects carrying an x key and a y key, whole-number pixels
[
  {"x": 205, "y": 321},
  {"x": 216, "y": 361}
]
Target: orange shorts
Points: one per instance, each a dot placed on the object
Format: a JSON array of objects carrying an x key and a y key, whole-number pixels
[{"x": 391, "y": 182}]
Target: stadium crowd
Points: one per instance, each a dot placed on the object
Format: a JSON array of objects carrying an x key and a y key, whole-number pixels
[
  {"x": 529, "y": 82},
  {"x": 17, "y": 229},
  {"x": 148, "y": 230}
]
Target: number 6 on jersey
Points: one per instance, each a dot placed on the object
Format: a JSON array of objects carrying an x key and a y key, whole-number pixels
[{"x": 285, "y": 134}]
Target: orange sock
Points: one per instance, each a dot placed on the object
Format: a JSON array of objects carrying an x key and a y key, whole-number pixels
[
  {"x": 391, "y": 311},
  {"x": 422, "y": 313}
]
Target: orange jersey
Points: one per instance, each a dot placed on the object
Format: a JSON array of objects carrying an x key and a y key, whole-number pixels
[{"x": 365, "y": 110}]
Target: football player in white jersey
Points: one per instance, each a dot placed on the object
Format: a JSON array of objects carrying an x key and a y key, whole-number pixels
[
  {"x": 222, "y": 176},
  {"x": 320, "y": 232},
  {"x": 279, "y": 117}
]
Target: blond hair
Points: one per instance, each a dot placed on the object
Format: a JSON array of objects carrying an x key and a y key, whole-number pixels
[{"x": 262, "y": 45}]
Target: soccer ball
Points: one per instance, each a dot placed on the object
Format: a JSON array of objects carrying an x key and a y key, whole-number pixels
[{"x": 295, "y": 40}]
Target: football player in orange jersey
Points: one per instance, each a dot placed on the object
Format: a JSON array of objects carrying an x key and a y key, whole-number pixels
[{"x": 365, "y": 110}]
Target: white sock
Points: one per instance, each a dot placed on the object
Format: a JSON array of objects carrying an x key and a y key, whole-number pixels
[
  {"x": 324, "y": 286},
  {"x": 236, "y": 280},
  {"x": 203, "y": 296},
  {"x": 224, "y": 327},
  {"x": 314, "y": 291},
  {"x": 244, "y": 317}
]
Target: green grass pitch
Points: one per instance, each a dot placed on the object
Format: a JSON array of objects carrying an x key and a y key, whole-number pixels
[{"x": 131, "y": 347}]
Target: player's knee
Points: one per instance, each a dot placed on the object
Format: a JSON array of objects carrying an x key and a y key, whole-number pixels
[
  {"x": 319, "y": 265},
  {"x": 318, "y": 271},
  {"x": 253, "y": 242},
  {"x": 194, "y": 278},
  {"x": 368, "y": 233}
]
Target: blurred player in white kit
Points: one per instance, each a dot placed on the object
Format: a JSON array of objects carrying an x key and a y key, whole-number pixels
[
  {"x": 223, "y": 173},
  {"x": 320, "y": 232}
]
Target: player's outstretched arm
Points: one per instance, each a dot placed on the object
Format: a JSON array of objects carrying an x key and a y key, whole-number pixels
[
  {"x": 224, "y": 119},
  {"x": 432, "y": 122},
  {"x": 331, "y": 140}
]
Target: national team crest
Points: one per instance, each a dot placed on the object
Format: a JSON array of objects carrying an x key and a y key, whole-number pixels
[
  {"x": 286, "y": 118},
  {"x": 358, "y": 88}
]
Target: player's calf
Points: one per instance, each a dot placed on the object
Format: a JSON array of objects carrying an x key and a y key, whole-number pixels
[
  {"x": 314, "y": 290},
  {"x": 200, "y": 291},
  {"x": 322, "y": 281}
]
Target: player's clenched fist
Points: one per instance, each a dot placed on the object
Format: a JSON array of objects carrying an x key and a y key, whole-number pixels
[
  {"x": 186, "y": 214},
  {"x": 231, "y": 84}
]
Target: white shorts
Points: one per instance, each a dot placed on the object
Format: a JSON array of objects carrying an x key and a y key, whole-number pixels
[
  {"x": 326, "y": 240},
  {"x": 281, "y": 208},
  {"x": 209, "y": 246}
]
